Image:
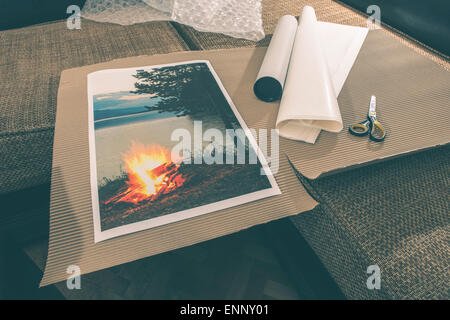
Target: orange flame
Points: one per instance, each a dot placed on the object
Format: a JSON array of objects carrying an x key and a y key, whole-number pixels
[{"x": 151, "y": 173}]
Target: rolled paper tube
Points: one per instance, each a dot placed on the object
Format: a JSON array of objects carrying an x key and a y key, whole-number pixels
[{"x": 272, "y": 74}]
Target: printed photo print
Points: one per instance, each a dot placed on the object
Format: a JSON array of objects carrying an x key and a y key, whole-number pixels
[{"x": 165, "y": 145}]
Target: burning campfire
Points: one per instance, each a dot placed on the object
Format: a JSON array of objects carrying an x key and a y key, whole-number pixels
[{"x": 151, "y": 173}]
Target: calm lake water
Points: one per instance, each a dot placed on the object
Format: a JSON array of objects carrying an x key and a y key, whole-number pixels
[{"x": 113, "y": 137}]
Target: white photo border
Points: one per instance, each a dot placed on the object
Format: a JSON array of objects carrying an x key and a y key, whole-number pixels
[{"x": 100, "y": 235}]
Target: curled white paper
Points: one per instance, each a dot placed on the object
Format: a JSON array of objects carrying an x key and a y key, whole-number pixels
[{"x": 321, "y": 58}]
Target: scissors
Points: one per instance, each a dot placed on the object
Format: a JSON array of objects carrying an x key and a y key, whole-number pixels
[{"x": 371, "y": 125}]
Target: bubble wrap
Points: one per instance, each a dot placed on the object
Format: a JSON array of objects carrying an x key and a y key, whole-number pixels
[{"x": 235, "y": 18}]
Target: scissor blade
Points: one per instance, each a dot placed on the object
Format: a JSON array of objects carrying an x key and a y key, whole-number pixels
[{"x": 373, "y": 104}]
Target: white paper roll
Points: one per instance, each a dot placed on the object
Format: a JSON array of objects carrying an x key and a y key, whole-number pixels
[
  {"x": 270, "y": 80},
  {"x": 322, "y": 56}
]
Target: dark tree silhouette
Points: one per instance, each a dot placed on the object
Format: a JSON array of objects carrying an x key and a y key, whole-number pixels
[{"x": 188, "y": 89}]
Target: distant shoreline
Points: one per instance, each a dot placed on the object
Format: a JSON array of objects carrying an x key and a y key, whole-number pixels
[
  {"x": 125, "y": 115},
  {"x": 133, "y": 119}
]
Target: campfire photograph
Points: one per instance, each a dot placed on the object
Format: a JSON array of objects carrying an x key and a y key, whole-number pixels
[{"x": 137, "y": 180}]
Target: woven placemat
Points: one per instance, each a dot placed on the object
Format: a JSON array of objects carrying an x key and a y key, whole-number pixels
[{"x": 393, "y": 214}]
